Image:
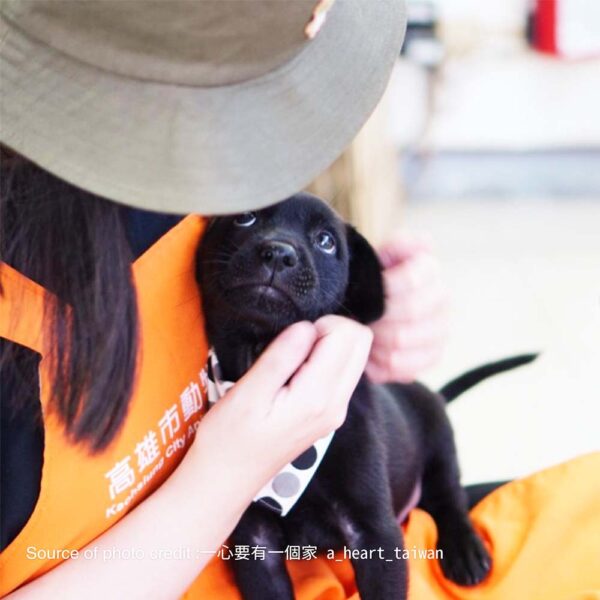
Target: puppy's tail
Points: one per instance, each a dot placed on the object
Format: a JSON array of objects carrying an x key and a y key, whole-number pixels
[{"x": 467, "y": 380}]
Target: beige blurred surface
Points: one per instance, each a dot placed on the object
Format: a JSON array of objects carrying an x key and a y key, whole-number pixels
[{"x": 524, "y": 275}]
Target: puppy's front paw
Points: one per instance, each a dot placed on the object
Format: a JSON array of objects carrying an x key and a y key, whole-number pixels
[{"x": 466, "y": 560}]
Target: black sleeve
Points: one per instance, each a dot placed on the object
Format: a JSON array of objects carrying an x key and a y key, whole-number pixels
[
  {"x": 21, "y": 438},
  {"x": 143, "y": 228}
]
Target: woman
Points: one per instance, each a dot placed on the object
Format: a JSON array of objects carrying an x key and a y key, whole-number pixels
[
  {"x": 176, "y": 107},
  {"x": 199, "y": 107}
]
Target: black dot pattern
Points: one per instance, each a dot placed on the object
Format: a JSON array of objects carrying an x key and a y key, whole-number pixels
[
  {"x": 270, "y": 503},
  {"x": 306, "y": 460}
]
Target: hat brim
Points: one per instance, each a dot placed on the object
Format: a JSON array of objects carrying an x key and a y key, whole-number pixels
[{"x": 214, "y": 150}]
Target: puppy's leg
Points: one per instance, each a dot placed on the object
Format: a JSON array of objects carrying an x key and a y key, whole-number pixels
[
  {"x": 379, "y": 573},
  {"x": 465, "y": 559},
  {"x": 264, "y": 576}
]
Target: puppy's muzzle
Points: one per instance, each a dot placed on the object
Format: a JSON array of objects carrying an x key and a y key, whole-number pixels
[{"x": 278, "y": 255}]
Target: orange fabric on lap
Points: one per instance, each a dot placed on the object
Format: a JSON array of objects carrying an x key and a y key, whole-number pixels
[{"x": 544, "y": 532}]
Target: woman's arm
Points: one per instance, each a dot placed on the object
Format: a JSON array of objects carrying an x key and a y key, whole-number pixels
[
  {"x": 262, "y": 423},
  {"x": 195, "y": 509}
]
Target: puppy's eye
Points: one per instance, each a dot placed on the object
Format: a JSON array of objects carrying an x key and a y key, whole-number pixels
[
  {"x": 245, "y": 219},
  {"x": 326, "y": 242}
]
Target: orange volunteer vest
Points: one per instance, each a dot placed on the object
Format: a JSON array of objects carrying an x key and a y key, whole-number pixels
[
  {"x": 81, "y": 496},
  {"x": 544, "y": 530}
]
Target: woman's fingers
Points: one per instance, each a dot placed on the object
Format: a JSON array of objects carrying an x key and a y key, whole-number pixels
[
  {"x": 402, "y": 367},
  {"x": 428, "y": 331},
  {"x": 280, "y": 360},
  {"x": 403, "y": 246},
  {"x": 411, "y": 276},
  {"x": 322, "y": 363},
  {"x": 324, "y": 384},
  {"x": 411, "y": 334},
  {"x": 349, "y": 353},
  {"x": 339, "y": 340}
]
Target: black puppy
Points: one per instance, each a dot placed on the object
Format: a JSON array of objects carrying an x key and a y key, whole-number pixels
[{"x": 295, "y": 261}]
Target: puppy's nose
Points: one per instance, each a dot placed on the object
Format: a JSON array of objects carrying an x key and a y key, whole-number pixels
[{"x": 278, "y": 255}]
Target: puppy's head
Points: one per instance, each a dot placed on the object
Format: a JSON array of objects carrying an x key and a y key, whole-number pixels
[{"x": 261, "y": 271}]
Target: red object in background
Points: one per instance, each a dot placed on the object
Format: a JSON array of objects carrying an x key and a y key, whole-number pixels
[
  {"x": 567, "y": 28},
  {"x": 545, "y": 26}
]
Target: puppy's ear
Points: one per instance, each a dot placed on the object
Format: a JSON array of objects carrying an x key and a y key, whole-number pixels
[{"x": 365, "y": 298}]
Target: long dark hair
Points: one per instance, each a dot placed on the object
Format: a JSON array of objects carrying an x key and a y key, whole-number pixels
[{"x": 74, "y": 244}]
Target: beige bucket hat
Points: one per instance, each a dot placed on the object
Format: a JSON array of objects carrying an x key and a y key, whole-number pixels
[{"x": 209, "y": 106}]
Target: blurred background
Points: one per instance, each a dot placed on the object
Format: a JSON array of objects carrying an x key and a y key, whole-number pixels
[{"x": 488, "y": 139}]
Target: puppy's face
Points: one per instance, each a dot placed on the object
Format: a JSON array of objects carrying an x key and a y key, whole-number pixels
[{"x": 261, "y": 271}]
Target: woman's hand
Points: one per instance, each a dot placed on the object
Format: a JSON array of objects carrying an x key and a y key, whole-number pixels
[
  {"x": 297, "y": 392},
  {"x": 411, "y": 334}
]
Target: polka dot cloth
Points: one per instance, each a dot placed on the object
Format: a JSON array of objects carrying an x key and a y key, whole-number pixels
[{"x": 285, "y": 489}]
